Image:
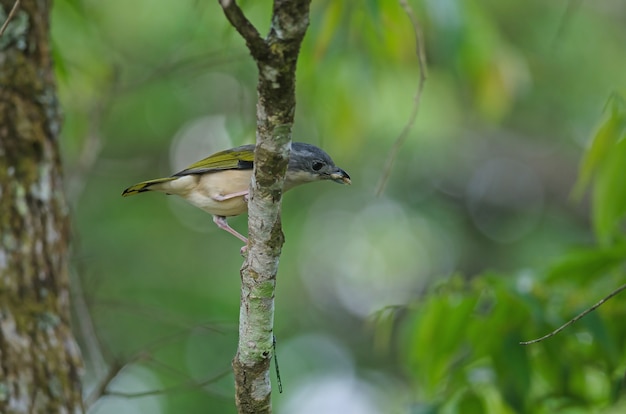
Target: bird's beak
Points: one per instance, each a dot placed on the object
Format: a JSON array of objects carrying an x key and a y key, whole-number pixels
[{"x": 341, "y": 177}]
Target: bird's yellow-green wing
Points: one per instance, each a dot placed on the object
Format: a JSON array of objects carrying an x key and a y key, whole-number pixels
[{"x": 239, "y": 158}]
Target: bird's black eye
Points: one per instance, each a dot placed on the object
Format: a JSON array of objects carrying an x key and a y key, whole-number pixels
[{"x": 317, "y": 165}]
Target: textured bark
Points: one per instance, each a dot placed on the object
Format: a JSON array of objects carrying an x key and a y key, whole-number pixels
[
  {"x": 276, "y": 57},
  {"x": 39, "y": 359}
]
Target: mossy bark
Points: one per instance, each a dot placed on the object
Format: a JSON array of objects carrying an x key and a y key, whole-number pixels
[{"x": 39, "y": 359}]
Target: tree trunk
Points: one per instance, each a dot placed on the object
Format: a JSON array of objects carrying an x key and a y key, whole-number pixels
[{"x": 39, "y": 359}]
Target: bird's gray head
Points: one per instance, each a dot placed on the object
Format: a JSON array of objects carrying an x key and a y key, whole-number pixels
[{"x": 309, "y": 163}]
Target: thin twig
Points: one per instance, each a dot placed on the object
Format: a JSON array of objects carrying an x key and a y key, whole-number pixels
[
  {"x": 421, "y": 61},
  {"x": 154, "y": 313},
  {"x": 187, "y": 66},
  {"x": 176, "y": 388},
  {"x": 144, "y": 354},
  {"x": 174, "y": 371},
  {"x": 101, "y": 389},
  {"x": 9, "y": 17},
  {"x": 246, "y": 29},
  {"x": 571, "y": 321}
]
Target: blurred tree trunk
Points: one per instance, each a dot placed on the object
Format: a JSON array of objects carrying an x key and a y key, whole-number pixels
[{"x": 39, "y": 358}]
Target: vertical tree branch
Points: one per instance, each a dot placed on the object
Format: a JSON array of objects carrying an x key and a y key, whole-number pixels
[{"x": 276, "y": 57}]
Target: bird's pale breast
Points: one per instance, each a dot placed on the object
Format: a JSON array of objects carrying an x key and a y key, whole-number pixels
[{"x": 201, "y": 189}]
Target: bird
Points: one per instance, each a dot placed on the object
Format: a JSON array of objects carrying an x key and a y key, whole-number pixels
[{"x": 219, "y": 183}]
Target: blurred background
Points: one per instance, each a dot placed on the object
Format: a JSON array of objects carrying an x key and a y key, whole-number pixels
[{"x": 409, "y": 302}]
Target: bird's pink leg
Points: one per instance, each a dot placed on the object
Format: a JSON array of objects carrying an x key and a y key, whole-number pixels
[
  {"x": 221, "y": 222},
  {"x": 220, "y": 197}
]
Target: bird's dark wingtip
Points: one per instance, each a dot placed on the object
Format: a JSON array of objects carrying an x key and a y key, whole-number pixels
[{"x": 133, "y": 190}]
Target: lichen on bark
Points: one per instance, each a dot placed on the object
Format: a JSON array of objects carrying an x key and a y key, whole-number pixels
[{"x": 39, "y": 359}]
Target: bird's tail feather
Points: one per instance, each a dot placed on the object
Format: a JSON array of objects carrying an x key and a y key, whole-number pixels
[{"x": 145, "y": 186}]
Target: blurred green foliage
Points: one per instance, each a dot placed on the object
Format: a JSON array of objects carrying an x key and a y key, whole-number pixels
[
  {"x": 462, "y": 338},
  {"x": 412, "y": 302}
]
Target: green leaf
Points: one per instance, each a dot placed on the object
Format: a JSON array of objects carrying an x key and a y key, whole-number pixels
[
  {"x": 596, "y": 326},
  {"x": 471, "y": 402},
  {"x": 604, "y": 162},
  {"x": 585, "y": 265},
  {"x": 609, "y": 195},
  {"x": 602, "y": 143},
  {"x": 440, "y": 333},
  {"x": 513, "y": 369}
]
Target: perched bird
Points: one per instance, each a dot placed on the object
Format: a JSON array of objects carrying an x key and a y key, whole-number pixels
[{"x": 219, "y": 183}]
